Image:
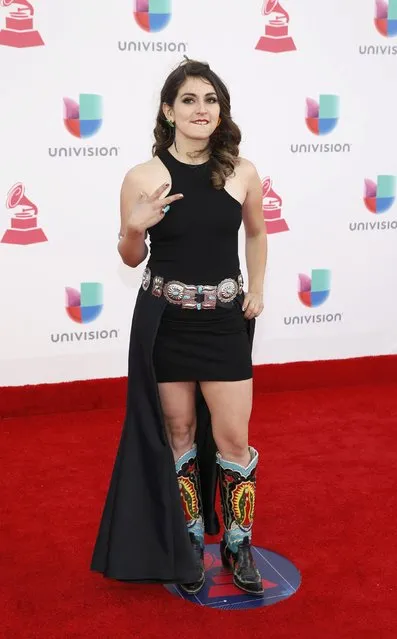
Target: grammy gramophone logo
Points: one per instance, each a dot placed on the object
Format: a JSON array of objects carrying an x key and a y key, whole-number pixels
[
  {"x": 276, "y": 38},
  {"x": 272, "y": 208},
  {"x": 19, "y": 28},
  {"x": 24, "y": 228}
]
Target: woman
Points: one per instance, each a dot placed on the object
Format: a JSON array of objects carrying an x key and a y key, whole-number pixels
[{"x": 190, "y": 369}]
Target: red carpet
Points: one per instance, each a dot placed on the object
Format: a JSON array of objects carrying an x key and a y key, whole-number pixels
[
  {"x": 110, "y": 393},
  {"x": 327, "y": 500}
]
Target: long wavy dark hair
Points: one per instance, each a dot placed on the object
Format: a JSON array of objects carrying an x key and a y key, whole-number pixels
[{"x": 223, "y": 145}]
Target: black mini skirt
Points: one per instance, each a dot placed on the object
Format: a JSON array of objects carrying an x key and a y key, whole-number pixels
[{"x": 205, "y": 345}]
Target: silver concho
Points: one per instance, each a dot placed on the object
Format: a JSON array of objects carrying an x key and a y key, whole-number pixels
[
  {"x": 146, "y": 277},
  {"x": 240, "y": 282},
  {"x": 174, "y": 292},
  {"x": 227, "y": 290},
  {"x": 157, "y": 287}
]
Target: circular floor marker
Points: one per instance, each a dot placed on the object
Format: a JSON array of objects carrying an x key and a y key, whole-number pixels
[{"x": 280, "y": 580}]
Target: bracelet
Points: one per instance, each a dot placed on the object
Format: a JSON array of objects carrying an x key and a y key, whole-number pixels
[{"x": 121, "y": 235}]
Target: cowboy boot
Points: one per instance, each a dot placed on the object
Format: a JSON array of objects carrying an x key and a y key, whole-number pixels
[
  {"x": 189, "y": 487},
  {"x": 237, "y": 489}
]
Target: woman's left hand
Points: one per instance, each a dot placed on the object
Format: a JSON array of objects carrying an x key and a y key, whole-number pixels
[{"x": 253, "y": 305}]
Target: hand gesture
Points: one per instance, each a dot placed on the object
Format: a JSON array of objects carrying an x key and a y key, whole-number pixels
[{"x": 150, "y": 209}]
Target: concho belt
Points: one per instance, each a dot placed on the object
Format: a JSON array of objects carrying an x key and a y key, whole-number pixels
[{"x": 197, "y": 297}]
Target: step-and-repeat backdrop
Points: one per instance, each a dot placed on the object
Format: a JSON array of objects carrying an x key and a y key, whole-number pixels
[{"x": 314, "y": 90}]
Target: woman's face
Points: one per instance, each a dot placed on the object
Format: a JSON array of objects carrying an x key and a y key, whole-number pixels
[{"x": 196, "y": 109}]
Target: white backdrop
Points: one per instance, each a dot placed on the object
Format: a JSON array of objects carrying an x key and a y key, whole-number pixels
[{"x": 316, "y": 181}]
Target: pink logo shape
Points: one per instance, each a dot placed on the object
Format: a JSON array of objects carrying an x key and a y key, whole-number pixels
[
  {"x": 276, "y": 38},
  {"x": 23, "y": 228},
  {"x": 19, "y": 29},
  {"x": 272, "y": 208}
]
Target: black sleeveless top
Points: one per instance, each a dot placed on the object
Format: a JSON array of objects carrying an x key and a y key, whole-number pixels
[{"x": 197, "y": 240}]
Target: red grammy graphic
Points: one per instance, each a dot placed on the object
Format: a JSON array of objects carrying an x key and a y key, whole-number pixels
[
  {"x": 23, "y": 228},
  {"x": 271, "y": 207},
  {"x": 276, "y": 38},
  {"x": 19, "y": 30}
]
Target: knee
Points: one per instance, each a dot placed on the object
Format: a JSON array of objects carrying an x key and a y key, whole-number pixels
[
  {"x": 181, "y": 434},
  {"x": 234, "y": 448}
]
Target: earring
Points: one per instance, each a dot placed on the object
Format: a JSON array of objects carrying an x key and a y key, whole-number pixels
[
  {"x": 170, "y": 123},
  {"x": 219, "y": 121}
]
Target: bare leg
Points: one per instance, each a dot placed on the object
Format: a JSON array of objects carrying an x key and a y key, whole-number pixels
[
  {"x": 178, "y": 405},
  {"x": 179, "y": 411},
  {"x": 230, "y": 405}
]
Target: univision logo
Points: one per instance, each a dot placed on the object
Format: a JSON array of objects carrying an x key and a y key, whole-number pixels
[
  {"x": 322, "y": 117},
  {"x": 386, "y": 17},
  {"x": 313, "y": 291},
  {"x": 86, "y": 304},
  {"x": 379, "y": 198},
  {"x": 83, "y": 119},
  {"x": 385, "y": 20},
  {"x": 83, "y": 306},
  {"x": 152, "y": 16}
]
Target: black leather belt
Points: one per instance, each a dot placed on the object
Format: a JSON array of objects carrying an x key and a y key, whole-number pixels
[{"x": 193, "y": 296}]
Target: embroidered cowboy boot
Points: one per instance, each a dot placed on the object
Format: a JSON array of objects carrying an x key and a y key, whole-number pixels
[
  {"x": 237, "y": 488},
  {"x": 190, "y": 491}
]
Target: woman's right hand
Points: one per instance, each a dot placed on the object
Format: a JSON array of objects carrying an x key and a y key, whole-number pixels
[{"x": 148, "y": 211}]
